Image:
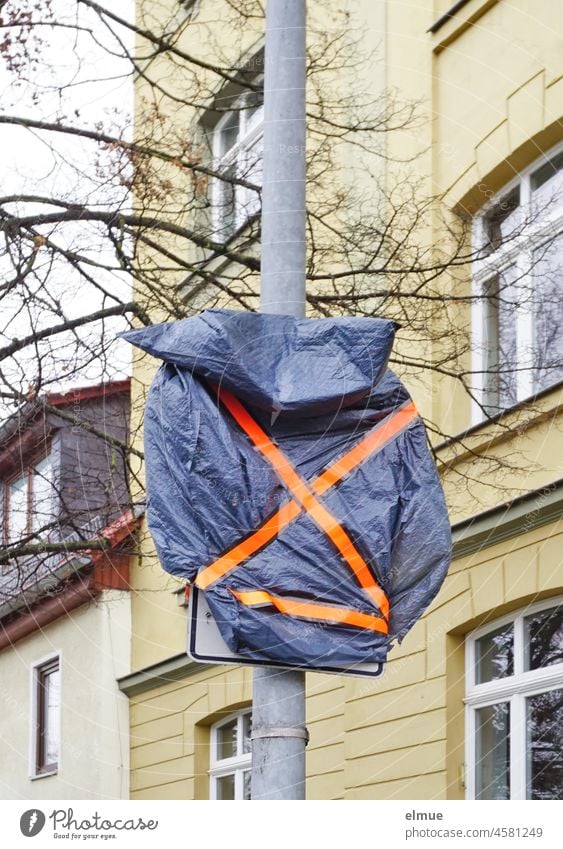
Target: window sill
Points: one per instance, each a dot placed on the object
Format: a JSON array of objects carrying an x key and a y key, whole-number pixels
[
  {"x": 457, "y": 19},
  {"x": 448, "y": 15},
  {"x": 541, "y": 399},
  {"x": 490, "y": 435},
  {"x": 244, "y": 239},
  {"x": 46, "y": 774},
  {"x": 241, "y": 229}
]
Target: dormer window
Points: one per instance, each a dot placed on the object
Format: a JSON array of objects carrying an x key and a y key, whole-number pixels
[{"x": 28, "y": 500}]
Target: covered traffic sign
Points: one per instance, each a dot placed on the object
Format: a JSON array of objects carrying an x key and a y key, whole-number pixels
[
  {"x": 205, "y": 644},
  {"x": 289, "y": 478}
]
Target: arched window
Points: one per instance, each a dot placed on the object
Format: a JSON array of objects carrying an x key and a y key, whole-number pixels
[
  {"x": 230, "y": 757},
  {"x": 518, "y": 284},
  {"x": 514, "y": 704}
]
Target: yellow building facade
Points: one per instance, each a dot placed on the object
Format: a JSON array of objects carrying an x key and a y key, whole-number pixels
[{"x": 463, "y": 708}]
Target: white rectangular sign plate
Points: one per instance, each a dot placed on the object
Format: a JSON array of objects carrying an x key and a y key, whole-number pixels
[{"x": 206, "y": 645}]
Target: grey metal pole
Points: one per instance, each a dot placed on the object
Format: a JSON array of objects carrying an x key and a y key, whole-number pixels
[
  {"x": 282, "y": 285},
  {"x": 279, "y": 734}
]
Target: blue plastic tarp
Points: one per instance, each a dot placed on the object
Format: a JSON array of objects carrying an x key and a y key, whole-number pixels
[{"x": 316, "y": 387}]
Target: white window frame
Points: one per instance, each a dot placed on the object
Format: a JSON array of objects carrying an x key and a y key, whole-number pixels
[
  {"x": 518, "y": 253},
  {"x": 27, "y": 472},
  {"x": 514, "y": 689},
  {"x": 237, "y": 765},
  {"x": 35, "y": 670},
  {"x": 250, "y": 134}
]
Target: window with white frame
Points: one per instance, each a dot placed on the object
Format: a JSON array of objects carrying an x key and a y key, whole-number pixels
[
  {"x": 514, "y": 706},
  {"x": 237, "y": 154},
  {"x": 28, "y": 500},
  {"x": 230, "y": 757},
  {"x": 46, "y": 717},
  {"x": 518, "y": 284}
]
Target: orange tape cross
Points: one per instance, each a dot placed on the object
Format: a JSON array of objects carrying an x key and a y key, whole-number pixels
[
  {"x": 313, "y": 610},
  {"x": 305, "y": 499}
]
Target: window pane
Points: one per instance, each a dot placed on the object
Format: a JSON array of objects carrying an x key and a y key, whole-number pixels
[
  {"x": 492, "y": 765},
  {"x": 494, "y": 655},
  {"x": 228, "y": 132},
  {"x": 246, "y": 732},
  {"x": 227, "y": 199},
  {"x": 48, "y": 715},
  {"x": 501, "y": 223},
  {"x": 52, "y": 683},
  {"x": 253, "y": 174},
  {"x": 544, "y": 638},
  {"x": 502, "y": 359},
  {"x": 226, "y": 787},
  {"x": 254, "y": 113},
  {"x": 548, "y": 313},
  {"x": 547, "y": 184},
  {"x": 227, "y": 740},
  {"x": 42, "y": 492},
  {"x": 18, "y": 509},
  {"x": 246, "y": 784},
  {"x": 545, "y": 746}
]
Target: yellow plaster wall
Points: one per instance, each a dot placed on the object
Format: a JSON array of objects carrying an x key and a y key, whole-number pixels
[
  {"x": 505, "y": 460},
  {"x": 497, "y": 91},
  {"x": 170, "y": 733}
]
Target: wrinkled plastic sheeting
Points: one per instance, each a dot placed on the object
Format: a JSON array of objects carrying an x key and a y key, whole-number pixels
[{"x": 317, "y": 387}]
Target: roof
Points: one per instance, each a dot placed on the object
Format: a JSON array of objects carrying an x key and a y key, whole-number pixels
[
  {"x": 75, "y": 563},
  {"x": 36, "y": 405}
]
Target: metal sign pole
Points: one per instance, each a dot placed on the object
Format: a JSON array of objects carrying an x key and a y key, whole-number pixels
[{"x": 279, "y": 735}]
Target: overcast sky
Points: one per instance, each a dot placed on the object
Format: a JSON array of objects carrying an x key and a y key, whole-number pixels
[{"x": 91, "y": 88}]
